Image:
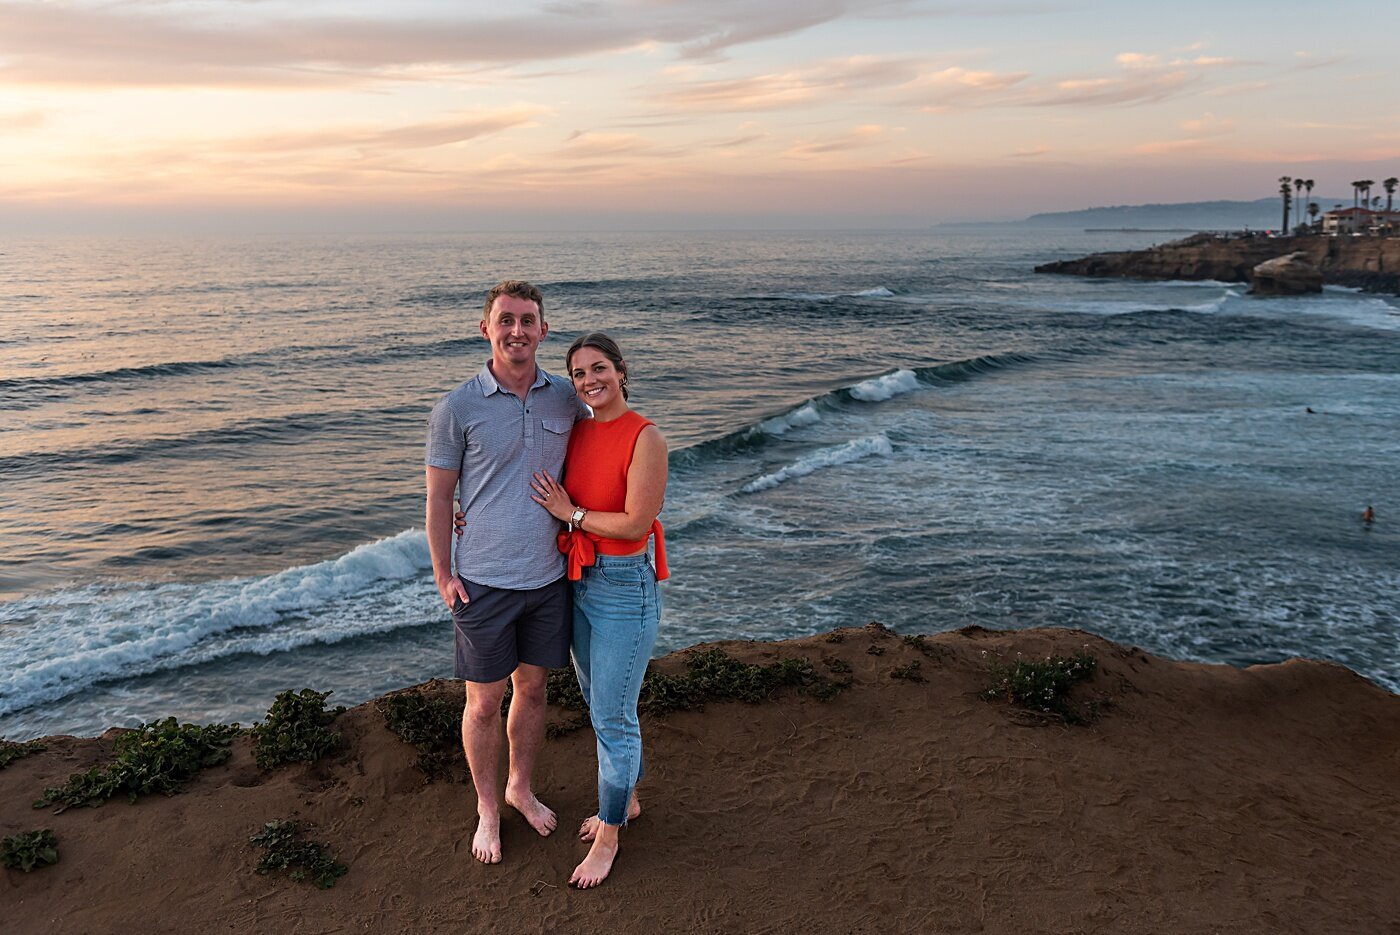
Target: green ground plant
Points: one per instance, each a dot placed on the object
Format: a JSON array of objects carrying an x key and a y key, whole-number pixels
[
  {"x": 926, "y": 646},
  {"x": 713, "y": 675},
  {"x": 662, "y": 692},
  {"x": 838, "y": 665},
  {"x": 29, "y": 851},
  {"x": 1042, "y": 686},
  {"x": 157, "y": 757},
  {"x": 284, "y": 849},
  {"x": 295, "y": 729},
  {"x": 556, "y": 729},
  {"x": 909, "y": 672},
  {"x": 432, "y": 724},
  {"x": 562, "y": 689},
  {"x": 11, "y": 751}
]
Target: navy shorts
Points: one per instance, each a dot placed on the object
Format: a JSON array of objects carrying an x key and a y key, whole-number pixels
[{"x": 498, "y": 629}]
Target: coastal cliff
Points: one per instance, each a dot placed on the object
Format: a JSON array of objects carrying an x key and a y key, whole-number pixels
[
  {"x": 1187, "y": 798},
  {"x": 1371, "y": 263}
]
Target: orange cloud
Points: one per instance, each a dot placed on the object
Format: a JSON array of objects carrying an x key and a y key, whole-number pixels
[
  {"x": 28, "y": 120},
  {"x": 425, "y": 135},
  {"x": 1167, "y": 147},
  {"x": 1208, "y": 125},
  {"x": 858, "y": 138},
  {"x": 1248, "y": 87},
  {"x": 584, "y": 145},
  {"x": 1308, "y": 61},
  {"x": 1132, "y": 89},
  {"x": 1137, "y": 60},
  {"x": 812, "y": 84}
]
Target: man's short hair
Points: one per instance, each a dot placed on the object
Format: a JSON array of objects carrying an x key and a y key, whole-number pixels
[{"x": 516, "y": 289}]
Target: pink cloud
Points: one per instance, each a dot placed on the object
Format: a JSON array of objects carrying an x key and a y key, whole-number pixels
[
  {"x": 858, "y": 138},
  {"x": 28, "y": 120},
  {"x": 147, "y": 44}
]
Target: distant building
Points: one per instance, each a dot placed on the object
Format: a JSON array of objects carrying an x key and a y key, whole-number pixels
[{"x": 1359, "y": 221}]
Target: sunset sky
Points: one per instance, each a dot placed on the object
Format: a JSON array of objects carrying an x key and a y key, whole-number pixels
[{"x": 678, "y": 112}]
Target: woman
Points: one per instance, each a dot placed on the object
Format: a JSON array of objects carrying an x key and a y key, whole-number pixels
[{"x": 614, "y": 484}]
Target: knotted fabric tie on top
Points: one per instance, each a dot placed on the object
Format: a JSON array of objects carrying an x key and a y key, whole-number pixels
[{"x": 581, "y": 549}]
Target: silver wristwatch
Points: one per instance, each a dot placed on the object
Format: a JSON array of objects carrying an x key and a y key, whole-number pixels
[{"x": 576, "y": 520}]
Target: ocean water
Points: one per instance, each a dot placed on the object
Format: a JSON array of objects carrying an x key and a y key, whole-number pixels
[{"x": 211, "y": 452}]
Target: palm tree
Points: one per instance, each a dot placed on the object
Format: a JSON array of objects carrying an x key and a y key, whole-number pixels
[
  {"x": 1308, "y": 187},
  {"x": 1365, "y": 197},
  {"x": 1389, "y": 186},
  {"x": 1284, "y": 182},
  {"x": 1356, "y": 193},
  {"x": 1312, "y": 212}
]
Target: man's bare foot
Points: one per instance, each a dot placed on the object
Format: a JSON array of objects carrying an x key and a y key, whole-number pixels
[
  {"x": 486, "y": 843},
  {"x": 589, "y": 829},
  {"x": 540, "y": 816},
  {"x": 598, "y": 864}
]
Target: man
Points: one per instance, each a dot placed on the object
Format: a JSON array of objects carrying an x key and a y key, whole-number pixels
[{"x": 509, "y": 600}]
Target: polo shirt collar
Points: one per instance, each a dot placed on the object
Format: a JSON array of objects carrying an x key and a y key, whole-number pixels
[{"x": 489, "y": 384}]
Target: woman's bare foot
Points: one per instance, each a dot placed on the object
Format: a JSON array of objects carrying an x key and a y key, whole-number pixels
[
  {"x": 589, "y": 828},
  {"x": 598, "y": 864},
  {"x": 486, "y": 843},
  {"x": 540, "y": 816}
]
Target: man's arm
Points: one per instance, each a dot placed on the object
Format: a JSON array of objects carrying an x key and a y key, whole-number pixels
[{"x": 442, "y": 485}]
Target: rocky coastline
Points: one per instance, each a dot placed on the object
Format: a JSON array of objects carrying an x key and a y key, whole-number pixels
[{"x": 1369, "y": 263}]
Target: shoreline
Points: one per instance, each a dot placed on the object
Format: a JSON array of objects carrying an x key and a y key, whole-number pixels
[
  {"x": 1196, "y": 798},
  {"x": 1371, "y": 264}
]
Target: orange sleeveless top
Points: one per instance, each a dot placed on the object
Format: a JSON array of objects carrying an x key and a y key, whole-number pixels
[{"x": 595, "y": 475}]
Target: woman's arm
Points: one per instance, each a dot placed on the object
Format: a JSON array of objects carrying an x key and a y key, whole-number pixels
[{"x": 646, "y": 491}]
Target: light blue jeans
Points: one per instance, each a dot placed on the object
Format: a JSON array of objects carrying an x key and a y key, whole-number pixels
[{"x": 617, "y": 610}]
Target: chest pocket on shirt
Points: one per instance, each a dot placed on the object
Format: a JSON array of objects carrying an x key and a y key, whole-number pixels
[{"x": 554, "y": 441}]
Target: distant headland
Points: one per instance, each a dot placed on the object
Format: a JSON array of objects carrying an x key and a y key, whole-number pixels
[
  {"x": 1357, "y": 246},
  {"x": 1369, "y": 263}
]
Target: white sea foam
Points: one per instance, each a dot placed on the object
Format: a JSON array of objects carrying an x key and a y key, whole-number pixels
[
  {"x": 1371, "y": 311},
  {"x": 879, "y": 389},
  {"x": 62, "y": 642},
  {"x": 1213, "y": 306},
  {"x": 806, "y": 414},
  {"x": 879, "y": 292},
  {"x": 874, "y": 445},
  {"x": 1334, "y": 305}
]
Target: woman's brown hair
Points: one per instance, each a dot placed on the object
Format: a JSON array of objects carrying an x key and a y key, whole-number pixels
[{"x": 604, "y": 345}]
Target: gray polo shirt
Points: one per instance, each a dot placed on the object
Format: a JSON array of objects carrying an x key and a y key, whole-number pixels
[{"x": 497, "y": 442}]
